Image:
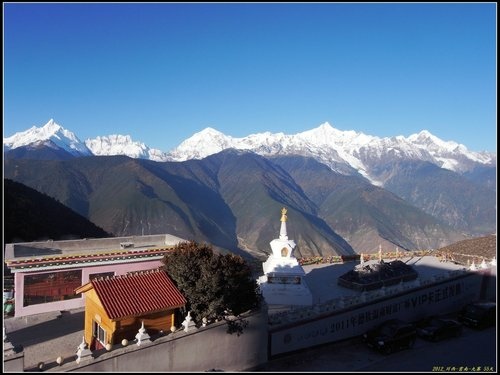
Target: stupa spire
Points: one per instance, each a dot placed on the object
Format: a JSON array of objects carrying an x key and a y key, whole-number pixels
[{"x": 283, "y": 234}]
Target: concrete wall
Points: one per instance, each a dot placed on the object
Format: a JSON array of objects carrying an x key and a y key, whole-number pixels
[
  {"x": 204, "y": 349},
  {"x": 433, "y": 299}
]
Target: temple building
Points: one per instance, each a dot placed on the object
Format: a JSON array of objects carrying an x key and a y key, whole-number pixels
[
  {"x": 283, "y": 282},
  {"x": 47, "y": 273}
]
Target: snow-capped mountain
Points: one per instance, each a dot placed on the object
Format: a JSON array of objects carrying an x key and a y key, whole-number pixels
[
  {"x": 116, "y": 144},
  {"x": 202, "y": 144},
  {"x": 346, "y": 152},
  {"x": 50, "y": 135},
  {"x": 451, "y": 155},
  {"x": 55, "y": 136},
  {"x": 342, "y": 151}
]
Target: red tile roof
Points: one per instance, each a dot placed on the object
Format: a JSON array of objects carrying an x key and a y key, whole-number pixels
[{"x": 137, "y": 294}]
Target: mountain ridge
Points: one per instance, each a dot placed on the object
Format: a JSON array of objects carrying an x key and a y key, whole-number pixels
[
  {"x": 34, "y": 216},
  {"x": 229, "y": 199},
  {"x": 348, "y": 152}
]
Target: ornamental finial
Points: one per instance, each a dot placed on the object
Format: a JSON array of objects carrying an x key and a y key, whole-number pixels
[{"x": 283, "y": 214}]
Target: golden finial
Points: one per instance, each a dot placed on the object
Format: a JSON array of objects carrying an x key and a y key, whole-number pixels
[{"x": 283, "y": 214}]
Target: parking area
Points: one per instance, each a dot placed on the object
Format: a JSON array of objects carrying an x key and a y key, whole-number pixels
[{"x": 473, "y": 351}]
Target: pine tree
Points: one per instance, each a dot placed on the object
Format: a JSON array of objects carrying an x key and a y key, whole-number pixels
[{"x": 212, "y": 283}]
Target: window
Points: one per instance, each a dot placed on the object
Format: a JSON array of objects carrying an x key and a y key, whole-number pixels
[
  {"x": 99, "y": 333},
  {"x": 51, "y": 287}
]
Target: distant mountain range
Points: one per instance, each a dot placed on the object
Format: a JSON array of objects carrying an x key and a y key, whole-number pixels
[
  {"x": 346, "y": 152},
  {"x": 346, "y": 192}
]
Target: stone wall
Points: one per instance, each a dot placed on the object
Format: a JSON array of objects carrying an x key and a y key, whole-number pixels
[{"x": 202, "y": 349}]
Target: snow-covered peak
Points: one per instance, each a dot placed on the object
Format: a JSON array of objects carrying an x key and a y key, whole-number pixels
[
  {"x": 326, "y": 134},
  {"x": 447, "y": 152},
  {"x": 204, "y": 143},
  {"x": 427, "y": 140},
  {"x": 324, "y": 128},
  {"x": 422, "y": 134},
  {"x": 211, "y": 132},
  {"x": 51, "y": 125},
  {"x": 116, "y": 144},
  {"x": 50, "y": 132},
  {"x": 323, "y": 134}
]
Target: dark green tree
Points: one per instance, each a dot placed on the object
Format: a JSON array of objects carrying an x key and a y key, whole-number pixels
[{"x": 212, "y": 283}]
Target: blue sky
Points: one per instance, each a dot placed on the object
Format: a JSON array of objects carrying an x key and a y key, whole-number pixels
[{"x": 162, "y": 72}]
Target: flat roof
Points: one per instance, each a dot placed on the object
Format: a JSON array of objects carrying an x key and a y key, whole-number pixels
[
  {"x": 322, "y": 278},
  {"x": 88, "y": 246}
]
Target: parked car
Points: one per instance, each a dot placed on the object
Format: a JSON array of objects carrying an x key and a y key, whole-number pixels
[
  {"x": 438, "y": 328},
  {"x": 478, "y": 314},
  {"x": 390, "y": 336}
]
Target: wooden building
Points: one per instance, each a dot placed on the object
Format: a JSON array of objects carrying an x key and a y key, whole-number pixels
[{"x": 115, "y": 307}]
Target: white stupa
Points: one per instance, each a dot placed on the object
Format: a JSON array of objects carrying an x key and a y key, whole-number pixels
[{"x": 283, "y": 282}]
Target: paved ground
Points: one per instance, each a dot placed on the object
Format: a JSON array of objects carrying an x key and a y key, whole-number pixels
[
  {"x": 47, "y": 336},
  {"x": 474, "y": 351}
]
